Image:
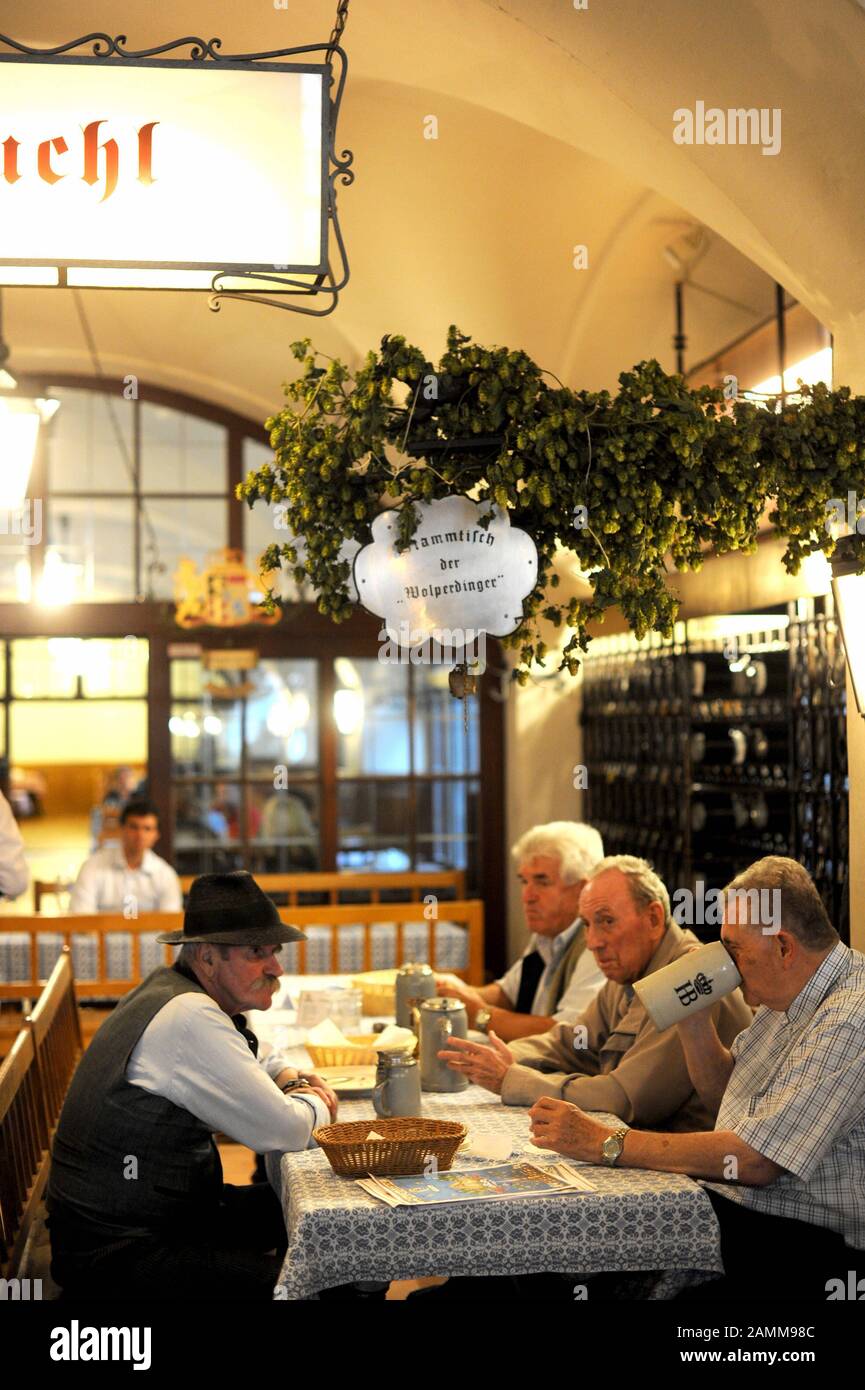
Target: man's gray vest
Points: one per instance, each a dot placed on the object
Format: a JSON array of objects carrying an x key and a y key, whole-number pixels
[{"x": 122, "y": 1157}]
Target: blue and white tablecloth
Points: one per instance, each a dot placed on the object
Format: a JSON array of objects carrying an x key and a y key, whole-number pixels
[{"x": 634, "y": 1220}]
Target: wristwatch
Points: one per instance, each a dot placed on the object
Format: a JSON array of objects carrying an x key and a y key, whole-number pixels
[
  {"x": 293, "y": 1085},
  {"x": 612, "y": 1147},
  {"x": 482, "y": 1020}
]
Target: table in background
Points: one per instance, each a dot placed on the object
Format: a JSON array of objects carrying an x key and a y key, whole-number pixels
[{"x": 635, "y": 1220}]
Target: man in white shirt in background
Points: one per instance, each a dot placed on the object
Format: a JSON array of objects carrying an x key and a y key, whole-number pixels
[
  {"x": 138, "y": 1208},
  {"x": 556, "y": 978},
  {"x": 128, "y": 877},
  {"x": 14, "y": 875}
]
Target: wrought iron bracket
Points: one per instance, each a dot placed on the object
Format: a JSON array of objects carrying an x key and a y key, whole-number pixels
[{"x": 321, "y": 288}]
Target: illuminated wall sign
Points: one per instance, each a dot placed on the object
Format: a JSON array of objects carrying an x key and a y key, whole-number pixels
[{"x": 134, "y": 172}]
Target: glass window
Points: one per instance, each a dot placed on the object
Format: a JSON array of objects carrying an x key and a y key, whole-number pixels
[
  {"x": 181, "y": 529},
  {"x": 90, "y": 554},
  {"x": 181, "y": 452},
  {"x": 61, "y": 733},
  {"x": 90, "y": 442},
  {"x": 206, "y": 737},
  {"x": 374, "y": 825},
  {"x": 283, "y": 828},
  {"x": 442, "y": 742},
  {"x": 45, "y": 667},
  {"x": 51, "y": 667},
  {"x": 114, "y": 666},
  {"x": 447, "y": 823},
  {"x": 370, "y": 708},
  {"x": 282, "y": 717},
  {"x": 207, "y": 820}
]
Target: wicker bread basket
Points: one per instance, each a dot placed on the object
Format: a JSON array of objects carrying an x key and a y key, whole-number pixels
[
  {"x": 405, "y": 1147},
  {"x": 363, "y": 1054},
  {"x": 378, "y": 988}
]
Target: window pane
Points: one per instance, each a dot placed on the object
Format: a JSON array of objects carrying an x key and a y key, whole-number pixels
[
  {"x": 205, "y": 737},
  {"x": 181, "y": 530},
  {"x": 76, "y": 731},
  {"x": 447, "y": 824},
  {"x": 207, "y": 828},
  {"x": 441, "y": 741},
  {"x": 374, "y": 825},
  {"x": 89, "y": 442},
  {"x": 282, "y": 717},
  {"x": 92, "y": 544},
  {"x": 370, "y": 708},
  {"x": 44, "y": 666},
  {"x": 181, "y": 453},
  {"x": 186, "y": 679},
  {"x": 114, "y": 666},
  {"x": 283, "y": 828}
]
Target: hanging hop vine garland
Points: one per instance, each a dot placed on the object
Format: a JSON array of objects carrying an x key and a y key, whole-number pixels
[{"x": 657, "y": 471}]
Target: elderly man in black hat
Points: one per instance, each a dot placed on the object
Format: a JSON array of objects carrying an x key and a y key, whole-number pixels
[{"x": 136, "y": 1199}]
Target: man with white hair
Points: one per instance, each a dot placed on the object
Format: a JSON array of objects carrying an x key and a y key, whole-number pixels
[
  {"x": 556, "y": 977},
  {"x": 612, "y": 1058},
  {"x": 784, "y": 1166}
]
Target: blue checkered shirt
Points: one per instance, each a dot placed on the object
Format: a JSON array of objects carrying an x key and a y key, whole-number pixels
[{"x": 797, "y": 1095}]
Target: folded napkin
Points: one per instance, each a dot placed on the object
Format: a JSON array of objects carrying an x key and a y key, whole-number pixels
[
  {"x": 326, "y": 1034},
  {"x": 495, "y": 1147},
  {"x": 394, "y": 1039}
]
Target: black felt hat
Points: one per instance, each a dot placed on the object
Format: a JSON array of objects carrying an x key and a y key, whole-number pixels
[{"x": 231, "y": 910}]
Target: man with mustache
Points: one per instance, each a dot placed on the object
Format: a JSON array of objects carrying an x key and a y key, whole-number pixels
[{"x": 136, "y": 1199}]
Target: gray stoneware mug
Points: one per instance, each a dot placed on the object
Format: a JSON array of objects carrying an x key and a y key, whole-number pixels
[
  {"x": 397, "y": 1090},
  {"x": 414, "y": 983},
  {"x": 439, "y": 1021}
]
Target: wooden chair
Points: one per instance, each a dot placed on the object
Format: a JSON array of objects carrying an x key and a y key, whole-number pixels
[
  {"x": 24, "y": 1156},
  {"x": 56, "y": 1030}
]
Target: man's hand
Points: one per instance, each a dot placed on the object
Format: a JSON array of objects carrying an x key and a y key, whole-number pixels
[
  {"x": 317, "y": 1084},
  {"x": 453, "y": 987},
  {"x": 326, "y": 1094},
  {"x": 558, "y": 1125},
  {"x": 485, "y": 1066}
]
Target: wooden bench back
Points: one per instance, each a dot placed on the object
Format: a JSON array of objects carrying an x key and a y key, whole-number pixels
[
  {"x": 465, "y": 913},
  {"x": 410, "y": 886},
  {"x": 56, "y": 1030},
  {"x": 23, "y": 1148}
]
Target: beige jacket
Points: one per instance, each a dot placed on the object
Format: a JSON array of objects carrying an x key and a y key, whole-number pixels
[{"x": 627, "y": 1067}]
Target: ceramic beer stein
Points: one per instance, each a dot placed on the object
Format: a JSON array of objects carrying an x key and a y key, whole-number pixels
[
  {"x": 397, "y": 1090},
  {"x": 440, "y": 1020},
  {"x": 414, "y": 983}
]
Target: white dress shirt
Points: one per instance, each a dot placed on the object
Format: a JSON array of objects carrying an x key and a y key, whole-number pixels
[
  {"x": 106, "y": 883},
  {"x": 582, "y": 987},
  {"x": 14, "y": 876},
  {"x": 192, "y": 1054}
]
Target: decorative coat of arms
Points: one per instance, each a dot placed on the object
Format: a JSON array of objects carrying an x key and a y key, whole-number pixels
[{"x": 223, "y": 594}]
